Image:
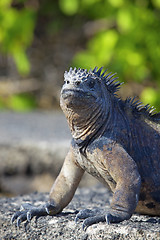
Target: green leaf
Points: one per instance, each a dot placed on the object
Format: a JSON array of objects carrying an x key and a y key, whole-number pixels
[
  {"x": 125, "y": 20},
  {"x": 100, "y": 50},
  {"x": 69, "y": 7},
  {"x": 16, "y": 34},
  {"x": 21, "y": 61},
  {"x": 116, "y": 3},
  {"x": 149, "y": 96},
  {"x": 156, "y": 3},
  {"x": 5, "y": 4},
  {"x": 85, "y": 60},
  {"x": 21, "y": 102}
]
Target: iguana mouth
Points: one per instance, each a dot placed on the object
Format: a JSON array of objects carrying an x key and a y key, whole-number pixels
[{"x": 73, "y": 93}]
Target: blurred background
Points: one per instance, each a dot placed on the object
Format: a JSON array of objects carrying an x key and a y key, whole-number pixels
[{"x": 40, "y": 39}]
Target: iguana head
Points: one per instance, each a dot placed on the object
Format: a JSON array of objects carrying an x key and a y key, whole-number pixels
[
  {"x": 82, "y": 87},
  {"x": 85, "y": 99},
  {"x": 89, "y": 103}
]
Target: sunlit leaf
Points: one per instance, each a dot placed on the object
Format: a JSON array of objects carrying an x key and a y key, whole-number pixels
[
  {"x": 85, "y": 60},
  {"x": 134, "y": 58},
  {"x": 124, "y": 20},
  {"x": 69, "y": 7},
  {"x": 103, "y": 42},
  {"x": 149, "y": 96},
  {"x": 156, "y": 3},
  {"x": 16, "y": 33},
  {"x": 5, "y": 3},
  {"x": 21, "y": 103},
  {"x": 21, "y": 61},
  {"x": 100, "y": 49},
  {"x": 116, "y": 3}
]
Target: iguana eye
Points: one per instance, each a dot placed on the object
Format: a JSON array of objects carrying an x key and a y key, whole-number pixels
[{"x": 91, "y": 84}]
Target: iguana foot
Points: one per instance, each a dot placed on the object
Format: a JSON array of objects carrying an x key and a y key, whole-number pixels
[
  {"x": 28, "y": 211},
  {"x": 91, "y": 217},
  {"x": 97, "y": 215}
]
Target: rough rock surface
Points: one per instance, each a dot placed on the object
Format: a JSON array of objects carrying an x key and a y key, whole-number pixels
[{"x": 63, "y": 225}]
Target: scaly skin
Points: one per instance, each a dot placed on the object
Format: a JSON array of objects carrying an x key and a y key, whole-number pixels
[{"x": 116, "y": 141}]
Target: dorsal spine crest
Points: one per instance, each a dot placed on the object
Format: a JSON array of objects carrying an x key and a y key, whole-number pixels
[{"x": 109, "y": 79}]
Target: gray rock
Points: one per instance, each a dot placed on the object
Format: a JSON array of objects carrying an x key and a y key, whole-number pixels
[
  {"x": 34, "y": 140},
  {"x": 63, "y": 225},
  {"x": 32, "y": 150},
  {"x": 31, "y": 145}
]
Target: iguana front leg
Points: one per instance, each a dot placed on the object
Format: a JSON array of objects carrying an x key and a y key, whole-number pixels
[
  {"x": 114, "y": 161},
  {"x": 124, "y": 171},
  {"x": 61, "y": 193}
]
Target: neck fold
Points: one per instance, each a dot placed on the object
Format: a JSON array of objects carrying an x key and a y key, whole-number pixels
[{"x": 89, "y": 127}]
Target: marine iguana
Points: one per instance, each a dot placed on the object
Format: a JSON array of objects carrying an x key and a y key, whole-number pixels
[{"x": 116, "y": 141}]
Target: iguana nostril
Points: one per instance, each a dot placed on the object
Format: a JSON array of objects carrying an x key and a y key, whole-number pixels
[{"x": 77, "y": 83}]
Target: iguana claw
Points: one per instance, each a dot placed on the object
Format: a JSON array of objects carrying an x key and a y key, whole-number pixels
[
  {"x": 27, "y": 212},
  {"x": 91, "y": 217},
  {"x": 92, "y": 220}
]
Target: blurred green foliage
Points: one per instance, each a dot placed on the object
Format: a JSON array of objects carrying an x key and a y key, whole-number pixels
[
  {"x": 127, "y": 39},
  {"x": 129, "y": 43},
  {"x": 16, "y": 32},
  {"x": 18, "y": 102}
]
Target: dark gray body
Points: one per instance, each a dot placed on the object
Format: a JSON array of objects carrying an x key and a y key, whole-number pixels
[{"x": 122, "y": 125}]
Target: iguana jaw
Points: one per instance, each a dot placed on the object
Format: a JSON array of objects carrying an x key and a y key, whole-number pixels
[{"x": 76, "y": 98}]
